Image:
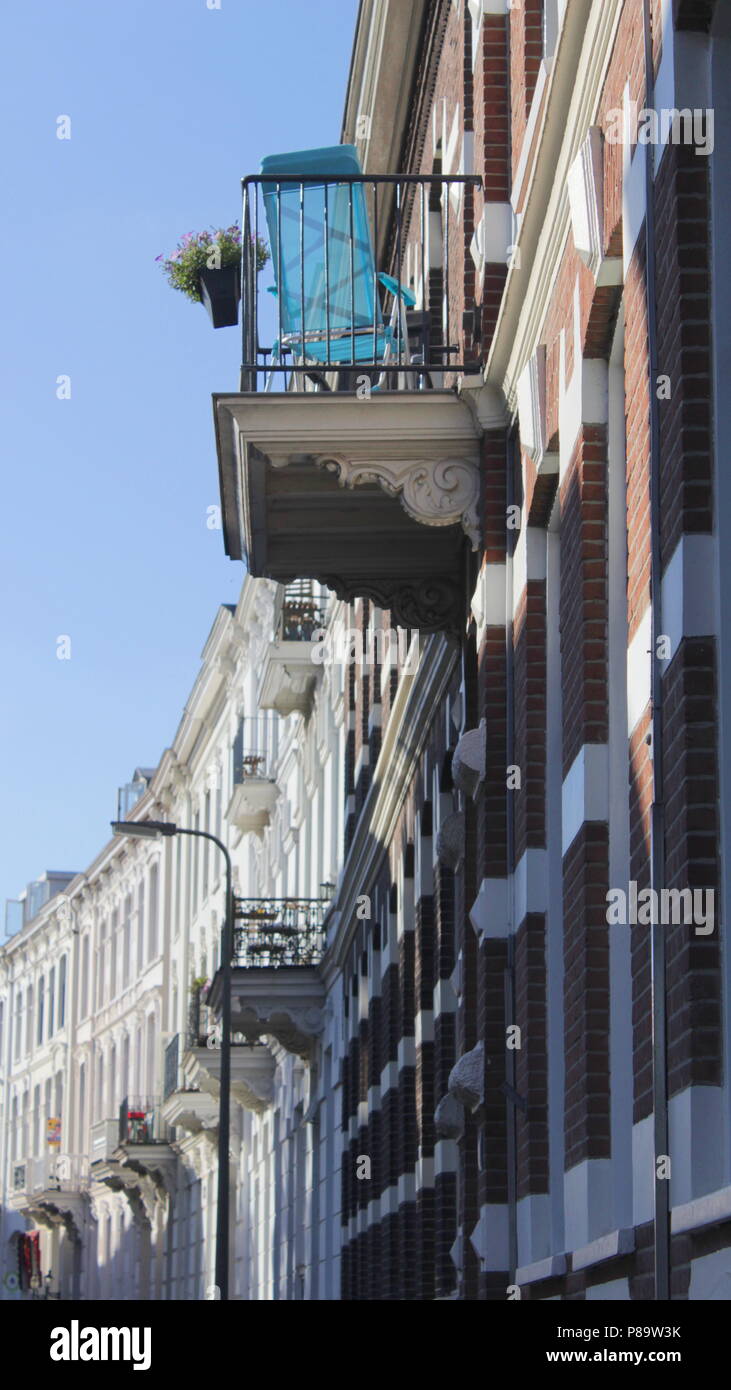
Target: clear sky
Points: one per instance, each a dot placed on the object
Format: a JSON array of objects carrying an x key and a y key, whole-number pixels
[{"x": 105, "y": 495}]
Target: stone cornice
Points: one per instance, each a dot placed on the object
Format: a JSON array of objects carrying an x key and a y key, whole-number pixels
[{"x": 574, "y": 93}]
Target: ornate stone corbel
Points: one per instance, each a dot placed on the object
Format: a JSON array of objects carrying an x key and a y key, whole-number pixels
[
  {"x": 468, "y": 760},
  {"x": 435, "y": 492},
  {"x": 467, "y": 1079}
]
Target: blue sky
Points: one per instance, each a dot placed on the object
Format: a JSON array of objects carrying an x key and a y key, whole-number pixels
[{"x": 105, "y": 495}]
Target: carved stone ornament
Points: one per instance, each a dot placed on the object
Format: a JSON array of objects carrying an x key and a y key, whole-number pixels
[
  {"x": 436, "y": 605},
  {"x": 468, "y": 760},
  {"x": 435, "y": 493},
  {"x": 467, "y": 1078}
]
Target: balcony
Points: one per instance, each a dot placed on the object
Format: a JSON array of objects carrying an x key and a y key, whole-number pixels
[
  {"x": 357, "y": 464},
  {"x": 289, "y": 673},
  {"x": 132, "y": 1147},
  {"x": 277, "y": 991},
  {"x": 52, "y": 1191},
  {"x": 255, "y": 791}
]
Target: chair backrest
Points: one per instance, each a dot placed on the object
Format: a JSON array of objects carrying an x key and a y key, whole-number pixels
[{"x": 321, "y": 247}]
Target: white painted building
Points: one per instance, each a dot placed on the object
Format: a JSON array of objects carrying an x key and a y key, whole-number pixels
[{"x": 107, "y": 1048}]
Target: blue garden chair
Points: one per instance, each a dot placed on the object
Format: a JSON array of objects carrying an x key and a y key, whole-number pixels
[{"x": 328, "y": 305}]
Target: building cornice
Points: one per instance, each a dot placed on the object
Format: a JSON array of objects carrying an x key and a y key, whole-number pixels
[{"x": 574, "y": 94}]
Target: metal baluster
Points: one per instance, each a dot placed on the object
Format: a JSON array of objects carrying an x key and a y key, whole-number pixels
[
  {"x": 280, "y": 275},
  {"x": 376, "y": 300},
  {"x": 302, "y": 265},
  {"x": 398, "y": 273},
  {"x": 352, "y": 276},
  {"x": 327, "y": 269}
]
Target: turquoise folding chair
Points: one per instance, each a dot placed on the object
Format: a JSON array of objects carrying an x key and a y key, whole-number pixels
[{"x": 328, "y": 306}]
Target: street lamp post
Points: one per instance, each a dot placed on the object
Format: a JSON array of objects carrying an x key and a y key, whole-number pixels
[{"x": 153, "y": 830}]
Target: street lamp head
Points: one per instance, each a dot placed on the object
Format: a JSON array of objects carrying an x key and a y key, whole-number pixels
[{"x": 143, "y": 829}]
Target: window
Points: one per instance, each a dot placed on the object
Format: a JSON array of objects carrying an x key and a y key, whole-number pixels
[
  {"x": 84, "y": 1003},
  {"x": 153, "y": 906},
  {"x": 82, "y": 1108},
  {"x": 113, "y": 947},
  {"x": 206, "y": 844},
  {"x": 29, "y": 1019},
  {"x": 19, "y": 1025},
  {"x": 551, "y": 26},
  {"x": 51, "y": 1000},
  {"x": 41, "y": 1007},
  {"x": 127, "y": 941},
  {"x": 100, "y": 1088},
  {"x": 196, "y": 860},
  {"x": 36, "y": 1120},
  {"x": 101, "y": 963},
  {"x": 140, "y": 926},
  {"x": 62, "y": 992}
]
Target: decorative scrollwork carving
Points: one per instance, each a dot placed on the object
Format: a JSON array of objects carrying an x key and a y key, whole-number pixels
[{"x": 437, "y": 492}]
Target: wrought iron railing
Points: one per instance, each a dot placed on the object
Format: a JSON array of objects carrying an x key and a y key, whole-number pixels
[
  {"x": 171, "y": 1067},
  {"x": 140, "y": 1121},
  {"x": 302, "y": 612},
  {"x": 254, "y": 751},
  {"x": 352, "y": 239},
  {"x": 272, "y": 932}
]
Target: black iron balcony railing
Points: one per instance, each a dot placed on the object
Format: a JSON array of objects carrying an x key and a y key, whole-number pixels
[
  {"x": 140, "y": 1121},
  {"x": 302, "y": 613},
  {"x": 254, "y": 750},
  {"x": 272, "y": 932},
  {"x": 361, "y": 268},
  {"x": 171, "y": 1067}
]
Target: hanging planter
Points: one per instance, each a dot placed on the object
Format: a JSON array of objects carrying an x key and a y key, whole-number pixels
[
  {"x": 220, "y": 293},
  {"x": 206, "y": 268}
]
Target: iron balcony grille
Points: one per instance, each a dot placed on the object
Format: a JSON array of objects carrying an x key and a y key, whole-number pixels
[
  {"x": 274, "y": 932},
  {"x": 140, "y": 1121},
  {"x": 334, "y": 308},
  {"x": 302, "y": 612},
  {"x": 254, "y": 751},
  {"x": 170, "y": 1070}
]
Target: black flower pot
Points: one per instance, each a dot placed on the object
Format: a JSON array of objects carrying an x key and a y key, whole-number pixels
[{"x": 221, "y": 292}]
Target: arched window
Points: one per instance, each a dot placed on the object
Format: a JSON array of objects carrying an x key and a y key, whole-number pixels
[
  {"x": 140, "y": 926},
  {"x": 84, "y": 1001},
  {"x": 41, "y": 1008},
  {"x": 127, "y": 941},
  {"x": 19, "y": 1024},
  {"x": 51, "y": 1001},
  {"x": 29, "y": 1019},
  {"x": 100, "y": 1087},
  {"x": 153, "y": 914},
  {"x": 113, "y": 947},
  {"x": 62, "y": 992}
]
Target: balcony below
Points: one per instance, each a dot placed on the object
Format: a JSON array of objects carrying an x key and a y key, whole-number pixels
[
  {"x": 135, "y": 1145},
  {"x": 277, "y": 991},
  {"x": 289, "y": 672},
  {"x": 193, "y": 1080},
  {"x": 252, "y": 802},
  {"x": 52, "y": 1190}
]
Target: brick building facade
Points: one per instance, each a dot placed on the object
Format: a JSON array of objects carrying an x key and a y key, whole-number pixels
[
  {"x": 541, "y": 1089},
  {"x": 499, "y": 1077}
]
